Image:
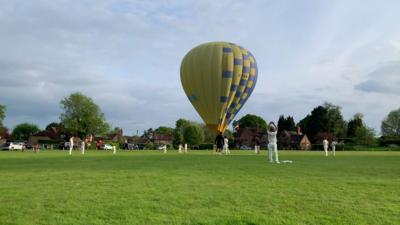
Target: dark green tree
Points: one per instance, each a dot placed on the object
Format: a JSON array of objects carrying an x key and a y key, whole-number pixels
[
  {"x": 164, "y": 130},
  {"x": 55, "y": 127},
  {"x": 82, "y": 116},
  {"x": 323, "y": 119},
  {"x": 354, "y": 123},
  {"x": 23, "y": 131},
  {"x": 287, "y": 123},
  {"x": 335, "y": 123},
  {"x": 391, "y": 124},
  {"x": 193, "y": 134},
  {"x": 316, "y": 122},
  {"x": 252, "y": 121}
]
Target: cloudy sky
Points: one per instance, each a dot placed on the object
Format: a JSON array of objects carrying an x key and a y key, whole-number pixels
[{"x": 126, "y": 56}]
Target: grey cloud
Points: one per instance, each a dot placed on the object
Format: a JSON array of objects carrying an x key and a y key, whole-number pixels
[{"x": 385, "y": 79}]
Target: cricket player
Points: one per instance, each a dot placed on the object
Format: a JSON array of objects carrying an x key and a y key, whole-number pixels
[
  {"x": 226, "y": 146},
  {"x": 325, "y": 144},
  {"x": 272, "y": 142},
  {"x": 83, "y": 147},
  {"x": 71, "y": 144},
  {"x": 333, "y": 146},
  {"x": 180, "y": 148}
]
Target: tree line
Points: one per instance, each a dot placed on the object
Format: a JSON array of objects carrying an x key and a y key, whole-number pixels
[{"x": 81, "y": 116}]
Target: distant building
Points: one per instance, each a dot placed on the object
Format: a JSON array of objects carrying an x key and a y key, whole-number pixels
[
  {"x": 116, "y": 136},
  {"x": 135, "y": 140},
  {"x": 42, "y": 136},
  {"x": 294, "y": 140},
  {"x": 163, "y": 139}
]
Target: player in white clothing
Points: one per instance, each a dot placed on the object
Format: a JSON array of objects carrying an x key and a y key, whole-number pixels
[
  {"x": 333, "y": 146},
  {"x": 325, "y": 144},
  {"x": 226, "y": 146},
  {"x": 71, "y": 144},
  {"x": 272, "y": 142}
]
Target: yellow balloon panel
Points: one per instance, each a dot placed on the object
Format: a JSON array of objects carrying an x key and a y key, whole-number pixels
[{"x": 218, "y": 78}]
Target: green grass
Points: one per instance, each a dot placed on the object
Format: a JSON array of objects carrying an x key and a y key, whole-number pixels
[{"x": 199, "y": 188}]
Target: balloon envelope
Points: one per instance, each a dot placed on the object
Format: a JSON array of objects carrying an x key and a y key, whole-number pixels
[{"x": 218, "y": 78}]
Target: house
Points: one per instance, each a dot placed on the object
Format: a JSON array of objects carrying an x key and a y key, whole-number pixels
[
  {"x": 135, "y": 140},
  {"x": 117, "y": 136},
  {"x": 42, "y": 136},
  {"x": 163, "y": 139},
  {"x": 294, "y": 140},
  {"x": 300, "y": 142}
]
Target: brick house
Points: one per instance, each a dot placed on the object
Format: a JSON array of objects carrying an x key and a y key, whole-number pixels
[{"x": 163, "y": 139}]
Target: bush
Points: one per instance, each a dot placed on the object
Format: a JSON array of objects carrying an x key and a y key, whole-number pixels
[
  {"x": 150, "y": 146},
  {"x": 348, "y": 147},
  {"x": 389, "y": 140},
  {"x": 206, "y": 146},
  {"x": 317, "y": 147}
]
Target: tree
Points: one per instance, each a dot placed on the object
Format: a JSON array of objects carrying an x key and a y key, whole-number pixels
[
  {"x": 365, "y": 135},
  {"x": 54, "y": 125},
  {"x": 252, "y": 121},
  {"x": 287, "y": 123},
  {"x": 148, "y": 134},
  {"x": 82, "y": 116},
  {"x": 193, "y": 134},
  {"x": 354, "y": 123},
  {"x": 180, "y": 126},
  {"x": 323, "y": 119},
  {"x": 164, "y": 130},
  {"x": 315, "y": 123},
  {"x": 2, "y": 114},
  {"x": 336, "y": 123},
  {"x": 391, "y": 124},
  {"x": 4, "y": 133},
  {"x": 24, "y": 130}
]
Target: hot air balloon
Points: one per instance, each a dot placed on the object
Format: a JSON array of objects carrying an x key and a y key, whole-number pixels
[{"x": 218, "y": 78}]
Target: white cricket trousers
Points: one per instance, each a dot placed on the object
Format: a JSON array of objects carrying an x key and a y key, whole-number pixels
[
  {"x": 326, "y": 150},
  {"x": 273, "y": 147},
  {"x": 333, "y": 150},
  {"x": 226, "y": 149}
]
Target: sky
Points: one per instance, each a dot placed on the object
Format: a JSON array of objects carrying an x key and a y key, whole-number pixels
[{"x": 126, "y": 56}]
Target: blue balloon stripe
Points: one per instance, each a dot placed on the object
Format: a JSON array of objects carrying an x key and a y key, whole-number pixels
[
  {"x": 226, "y": 50},
  {"x": 242, "y": 82},
  {"x": 246, "y": 69},
  {"x": 237, "y": 62},
  {"x": 227, "y": 74},
  {"x": 252, "y": 78}
]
